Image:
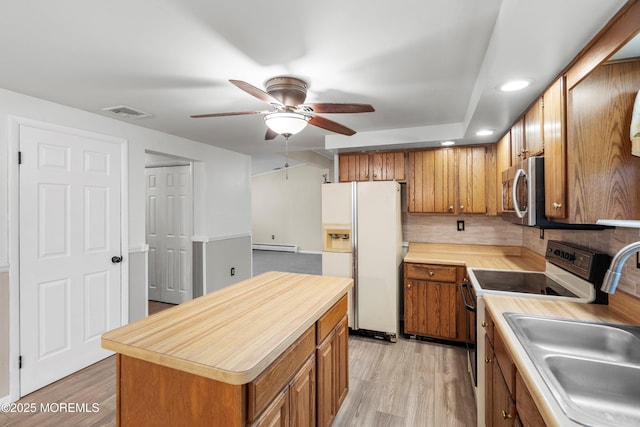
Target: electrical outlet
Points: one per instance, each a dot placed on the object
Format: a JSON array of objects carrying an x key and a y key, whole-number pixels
[
  {"x": 273, "y": 237},
  {"x": 233, "y": 271},
  {"x": 460, "y": 225}
]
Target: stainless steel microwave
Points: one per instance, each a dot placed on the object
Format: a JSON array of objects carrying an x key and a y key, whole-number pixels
[{"x": 523, "y": 192}]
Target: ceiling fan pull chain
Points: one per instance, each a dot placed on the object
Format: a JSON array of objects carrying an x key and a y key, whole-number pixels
[{"x": 286, "y": 157}]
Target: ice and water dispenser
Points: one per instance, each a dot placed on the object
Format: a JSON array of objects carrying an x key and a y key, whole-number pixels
[{"x": 336, "y": 238}]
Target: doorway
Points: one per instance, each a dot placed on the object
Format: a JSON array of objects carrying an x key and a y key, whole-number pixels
[{"x": 169, "y": 228}]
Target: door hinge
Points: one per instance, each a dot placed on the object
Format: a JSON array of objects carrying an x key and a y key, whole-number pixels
[
  {"x": 19, "y": 157},
  {"x": 19, "y": 362}
]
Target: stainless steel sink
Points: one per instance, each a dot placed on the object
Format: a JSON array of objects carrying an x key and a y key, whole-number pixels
[{"x": 592, "y": 369}]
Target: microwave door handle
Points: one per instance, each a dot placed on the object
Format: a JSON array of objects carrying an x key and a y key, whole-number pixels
[{"x": 514, "y": 193}]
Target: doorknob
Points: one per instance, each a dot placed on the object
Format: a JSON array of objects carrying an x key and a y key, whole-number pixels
[{"x": 116, "y": 259}]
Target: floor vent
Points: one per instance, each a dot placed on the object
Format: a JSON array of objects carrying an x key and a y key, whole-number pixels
[
  {"x": 280, "y": 248},
  {"x": 127, "y": 112}
]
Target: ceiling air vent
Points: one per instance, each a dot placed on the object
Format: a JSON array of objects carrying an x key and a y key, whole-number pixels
[{"x": 127, "y": 112}]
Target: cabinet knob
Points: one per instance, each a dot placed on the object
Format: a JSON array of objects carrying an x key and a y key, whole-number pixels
[
  {"x": 430, "y": 273},
  {"x": 375, "y": 175},
  {"x": 487, "y": 360},
  {"x": 409, "y": 286},
  {"x": 506, "y": 415},
  {"x": 557, "y": 205},
  {"x": 484, "y": 324},
  {"x": 451, "y": 208},
  {"x": 461, "y": 207}
]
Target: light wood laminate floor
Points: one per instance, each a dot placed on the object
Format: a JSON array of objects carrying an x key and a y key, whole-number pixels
[{"x": 408, "y": 383}]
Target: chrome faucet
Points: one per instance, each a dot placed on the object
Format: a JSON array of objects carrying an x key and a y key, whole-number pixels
[{"x": 612, "y": 276}]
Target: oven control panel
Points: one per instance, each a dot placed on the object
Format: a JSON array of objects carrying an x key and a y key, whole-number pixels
[{"x": 576, "y": 259}]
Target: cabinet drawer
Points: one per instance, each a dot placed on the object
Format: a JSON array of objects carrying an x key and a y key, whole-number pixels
[
  {"x": 262, "y": 391},
  {"x": 436, "y": 273},
  {"x": 331, "y": 318}
]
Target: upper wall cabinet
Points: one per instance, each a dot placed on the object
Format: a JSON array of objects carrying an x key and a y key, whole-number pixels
[
  {"x": 603, "y": 176},
  {"x": 518, "y": 149},
  {"x": 555, "y": 153},
  {"x": 388, "y": 166},
  {"x": 379, "y": 166},
  {"x": 533, "y": 124},
  {"x": 452, "y": 180},
  {"x": 354, "y": 167}
]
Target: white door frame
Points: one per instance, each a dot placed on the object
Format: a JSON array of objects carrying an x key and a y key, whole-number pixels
[{"x": 14, "y": 236}]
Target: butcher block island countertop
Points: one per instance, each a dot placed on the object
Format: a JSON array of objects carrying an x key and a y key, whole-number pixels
[
  {"x": 476, "y": 256},
  {"x": 233, "y": 334},
  {"x": 270, "y": 350}
]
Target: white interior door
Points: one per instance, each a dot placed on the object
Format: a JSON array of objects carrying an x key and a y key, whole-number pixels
[
  {"x": 169, "y": 230},
  {"x": 70, "y": 290}
]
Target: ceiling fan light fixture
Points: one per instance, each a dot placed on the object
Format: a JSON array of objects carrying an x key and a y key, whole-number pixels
[{"x": 286, "y": 123}]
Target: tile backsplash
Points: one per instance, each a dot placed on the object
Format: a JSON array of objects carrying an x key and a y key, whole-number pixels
[
  {"x": 609, "y": 241},
  {"x": 482, "y": 230}
]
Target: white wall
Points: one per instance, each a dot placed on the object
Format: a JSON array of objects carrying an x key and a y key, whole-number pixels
[
  {"x": 289, "y": 209},
  {"x": 222, "y": 179}
]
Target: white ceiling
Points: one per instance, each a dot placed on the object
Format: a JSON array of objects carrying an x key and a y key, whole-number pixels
[{"x": 430, "y": 68}]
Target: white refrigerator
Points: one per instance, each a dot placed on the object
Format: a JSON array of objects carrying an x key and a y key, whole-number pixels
[{"x": 362, "y": 239}]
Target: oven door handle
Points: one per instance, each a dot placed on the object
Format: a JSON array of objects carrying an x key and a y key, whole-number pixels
[{"x": 465, "y": 291}]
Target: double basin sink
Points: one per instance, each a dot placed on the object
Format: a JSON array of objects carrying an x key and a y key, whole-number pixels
[{"x": 592, "y": 369}]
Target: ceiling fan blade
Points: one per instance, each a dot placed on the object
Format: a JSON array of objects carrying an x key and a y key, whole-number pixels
[
  {"x": 326, "y": 107},
  {"x": 236, "y": 113},
  {"x": 258, "y": 93},
  {"x": 327, "y": 124},
  {"x": 270, "y": 135}
]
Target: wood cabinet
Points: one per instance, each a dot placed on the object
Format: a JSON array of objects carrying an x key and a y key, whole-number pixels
[
  {"x": 452, "y": 180},
  {"x": 508, "y": 401},
  {"x": 333, "y": 372},
  {"x": 388, "y": 166},
  {"x": 602, "y": 174},
  {"x": 431, "y": 187},
  {"x": 353, "y": 167},
  {"x": 518, "y": 149},
  {"x": 433, "y": 305},
  {"x": 534, "y": 143},
  {"x": 555, "y": 150},
  {"x": 296, "y": 403},
  {"x": 378, "y": 166},
  {"x": 472, "y": 182}
]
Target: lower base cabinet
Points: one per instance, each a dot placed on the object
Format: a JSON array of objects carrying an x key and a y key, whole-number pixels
[
  {"x": 333, "y": 373},
  {"x": 507, "y": 400},
  {"x": 296, "y": 404}
]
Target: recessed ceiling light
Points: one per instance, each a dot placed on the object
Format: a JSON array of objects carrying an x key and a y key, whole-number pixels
[
  {"x": 484, "y": 132},
  {"x": 445, "y": 143},
  {"x": 514, "y": 85}
]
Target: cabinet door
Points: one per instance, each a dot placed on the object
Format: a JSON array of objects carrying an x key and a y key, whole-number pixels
[
  {"x": 431, "y": 187},
  {"x": 277, "y": 414},
  {"x": 518, "y": 152},
  {"x": 489, "y": 361},
  {"x": 388, "y": 166},
  {"x": 353, "y": 167},
  {"x": 302, "y": 396},
  {"x": 555, "y": 150},
  {"x": 533, "y": 125},
  {"x": 325, "y": 386},
  {"x": 431, "y": 309},
  {"x": 504, "y": 408},
  {"x": 527, "y": 410},
  {"x": 341, "y": 360},
  {"x": 471, "y": 179}
]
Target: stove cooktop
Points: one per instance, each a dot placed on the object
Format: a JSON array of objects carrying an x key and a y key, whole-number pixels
[{"x": 521, "y": 281}]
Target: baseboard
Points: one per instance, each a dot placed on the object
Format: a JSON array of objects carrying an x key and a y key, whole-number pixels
[
  {"x": 279, "y": 248},
  {"x": 5, "y": 400}
]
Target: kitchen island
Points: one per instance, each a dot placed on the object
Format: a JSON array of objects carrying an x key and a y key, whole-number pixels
[{"x": 253, "y": 353}]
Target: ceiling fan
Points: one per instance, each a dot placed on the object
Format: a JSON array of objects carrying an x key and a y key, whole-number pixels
[{"x": 287, "y": 94}]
